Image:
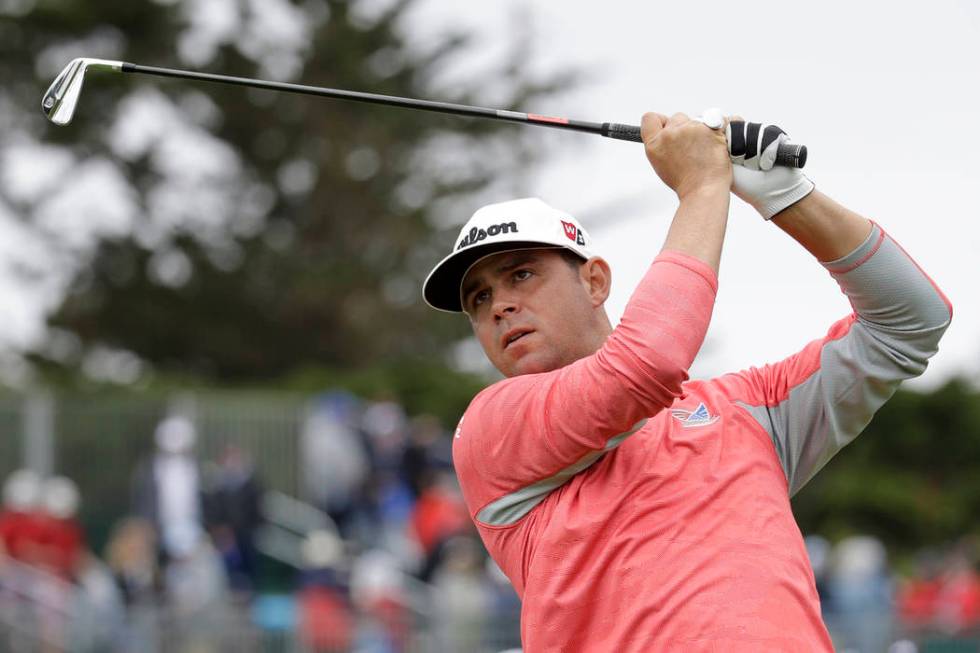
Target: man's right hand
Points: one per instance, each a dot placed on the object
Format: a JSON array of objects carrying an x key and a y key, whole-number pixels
[
  {"x": 686, "y": 154},
  {"x": 693, "y": 160}
]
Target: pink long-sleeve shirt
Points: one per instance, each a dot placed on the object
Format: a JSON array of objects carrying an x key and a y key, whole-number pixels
[{"x": 634, "y": 510}]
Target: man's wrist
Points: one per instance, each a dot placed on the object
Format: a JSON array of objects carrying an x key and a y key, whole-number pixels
[
  {"x": 826, "y": 229},
  {"x": 698, "y": 227},
  {"x": 706, "y": 191}
]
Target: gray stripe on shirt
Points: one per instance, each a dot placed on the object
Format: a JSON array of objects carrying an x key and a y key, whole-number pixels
[{"x": 510, "y": 508}]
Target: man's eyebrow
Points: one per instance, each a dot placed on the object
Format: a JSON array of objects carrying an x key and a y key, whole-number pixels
[
  {"x": 509, "y": 263},
  {"x": 516, "y": 261}
]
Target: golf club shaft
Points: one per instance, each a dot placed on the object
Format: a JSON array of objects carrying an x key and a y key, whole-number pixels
[
  {"x": 791, "y": 155},
  {"x": 372, "y": 98}
]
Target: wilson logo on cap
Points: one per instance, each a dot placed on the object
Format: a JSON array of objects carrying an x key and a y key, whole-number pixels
[
  {"x": 476, "y": 234},
  {"x": 573, "y": 233}
]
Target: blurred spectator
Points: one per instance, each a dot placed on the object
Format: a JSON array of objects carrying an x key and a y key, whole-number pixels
[
  {"x": 132, "y": 560},
  {"x": 918, "y": 596},
  {"x": 197, "y": 596},
  {"x": 860, "y": 589},
  {"x": 335, "y": 462},
  {"x": 386, "y": 426},
  {"x": 425, "y": 451},
  {"x": 131, "y": 556},
  {"x": 21, "y": 522},
  {"x": 61, "y": 539},
  {"x": 196, "y": 582},
  {"x": 167, "y": 489},
  {"x": 944, "y": 593},
  {"x": 233, "y": 498},
  {"x": 99, "y": 611},
  {"x": 169, "y": 494},
  {"x": 326, "y": 622},
  {"x": 439, "y": 515},
  {"x": 958, "y": 601},
  {"x": 394, "y": 504},
  {"x": 39, "y": 530},
  {"x": 463, "y": 596},
  {"x": 379, "y": 594}
]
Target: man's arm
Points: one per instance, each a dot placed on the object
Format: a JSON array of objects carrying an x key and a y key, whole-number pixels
[
  {"x": 815, "y": 402},
  {"x": 693, "y": 161},
  {"x": 825, "y": 228}
]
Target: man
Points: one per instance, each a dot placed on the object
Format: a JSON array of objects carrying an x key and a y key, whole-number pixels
[
  {"x": 632, "y": 509},
  {"x": 167, "y": 489}
]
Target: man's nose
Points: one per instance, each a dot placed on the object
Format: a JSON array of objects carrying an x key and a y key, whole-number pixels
[{"x": 504, "y": 305}]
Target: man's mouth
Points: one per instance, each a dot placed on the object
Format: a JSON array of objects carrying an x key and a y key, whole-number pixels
[{"x": 514, "y": 335}]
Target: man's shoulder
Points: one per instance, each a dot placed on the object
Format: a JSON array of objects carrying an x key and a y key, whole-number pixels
[
  {"x": 706, "y": 386},
  {"x": 729, "y": 386},
  {"x": 503, "y": 406},
  {"x": 509, "y": 390}
]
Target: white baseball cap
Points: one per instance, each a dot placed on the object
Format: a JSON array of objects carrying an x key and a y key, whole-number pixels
[{"x": 504, "y": 227}]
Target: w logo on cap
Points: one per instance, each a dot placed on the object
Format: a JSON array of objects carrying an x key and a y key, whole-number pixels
[{"x": 573, "y": 233}]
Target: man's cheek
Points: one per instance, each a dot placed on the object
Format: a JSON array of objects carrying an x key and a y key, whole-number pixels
[{"x": 487, "y": 342}]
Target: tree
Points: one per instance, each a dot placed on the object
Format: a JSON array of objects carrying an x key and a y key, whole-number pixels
[
  {"x": 909, "y": 478},
  {"x": 241, "y": 235}
]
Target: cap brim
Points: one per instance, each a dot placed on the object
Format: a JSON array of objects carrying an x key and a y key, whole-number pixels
[{"x": 441, "y": 288}]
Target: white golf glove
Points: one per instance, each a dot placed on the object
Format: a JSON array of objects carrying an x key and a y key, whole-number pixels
[{"x": 768, "y": 188}]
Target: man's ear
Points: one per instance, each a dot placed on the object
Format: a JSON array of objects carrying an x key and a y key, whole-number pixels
[{"x": 596, "y": 276}]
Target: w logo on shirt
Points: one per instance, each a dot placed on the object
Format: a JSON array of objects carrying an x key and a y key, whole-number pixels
[{"x": 698, "y": 417}]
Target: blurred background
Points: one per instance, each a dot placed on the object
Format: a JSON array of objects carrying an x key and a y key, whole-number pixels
[{"x": 225, "y": 413}]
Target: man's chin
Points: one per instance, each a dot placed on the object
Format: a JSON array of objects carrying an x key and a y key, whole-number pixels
[{"x": 530, "y": 363}]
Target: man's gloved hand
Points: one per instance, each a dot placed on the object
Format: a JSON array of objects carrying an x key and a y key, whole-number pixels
[{"x": 768, "y": 188}]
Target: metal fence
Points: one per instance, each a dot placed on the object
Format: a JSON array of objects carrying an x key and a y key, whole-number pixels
[
  {"x": 99, "y": 440},
  {"x": 11, "y": 439}
]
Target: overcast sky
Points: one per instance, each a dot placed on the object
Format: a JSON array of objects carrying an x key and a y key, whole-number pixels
[{"x": 884, "y": 94}]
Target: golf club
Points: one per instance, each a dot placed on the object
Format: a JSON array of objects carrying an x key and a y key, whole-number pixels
[{"x": 61, "y": 98}]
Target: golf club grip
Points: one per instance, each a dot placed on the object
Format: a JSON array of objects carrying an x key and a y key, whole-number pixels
[
  {"x": 790, "y": 155},
  {"x": 622, "y": 132}
]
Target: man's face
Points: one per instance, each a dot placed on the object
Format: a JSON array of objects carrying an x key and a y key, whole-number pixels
[{"x": 532, "y": 311}]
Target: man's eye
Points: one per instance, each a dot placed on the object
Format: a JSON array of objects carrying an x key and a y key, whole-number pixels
[
  {"x": 480, "y": 297},
  {"x": 521, "y": 275}
]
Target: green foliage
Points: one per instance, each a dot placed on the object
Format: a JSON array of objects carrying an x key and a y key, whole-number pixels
[
  {"x": 912, "y": 478},
  {"x": 305, "y": 241}
]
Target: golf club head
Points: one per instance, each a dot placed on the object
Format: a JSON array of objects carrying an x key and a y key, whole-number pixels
[{"x": 58, "y": 103}]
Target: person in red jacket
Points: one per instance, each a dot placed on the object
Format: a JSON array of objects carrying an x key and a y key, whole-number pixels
[
  {"x": 632, "y": 508},
  {"x": 61, "y": 539},
  {"x": 21, "y": 524}
]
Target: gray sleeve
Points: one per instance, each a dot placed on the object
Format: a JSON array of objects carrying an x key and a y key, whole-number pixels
[{"x": 900, "y": 317}]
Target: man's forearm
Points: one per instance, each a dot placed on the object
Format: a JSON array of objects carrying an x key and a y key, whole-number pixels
[
  {"x": 698, "y": 228},
  {"x": 825, "y": 228}
]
